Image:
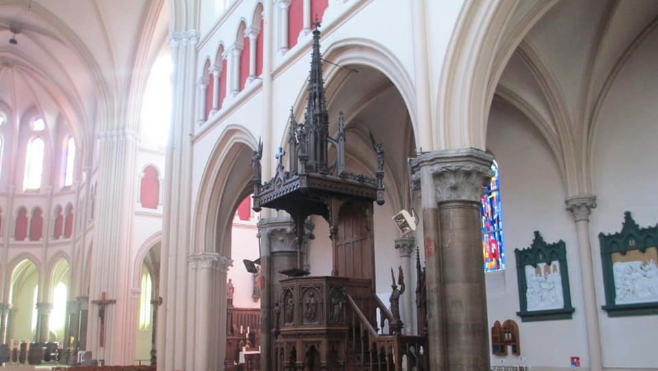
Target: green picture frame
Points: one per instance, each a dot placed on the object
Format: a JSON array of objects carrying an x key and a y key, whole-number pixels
[
  {"x": 541, "y": 254},
  {"x": 631, "y": 238}
]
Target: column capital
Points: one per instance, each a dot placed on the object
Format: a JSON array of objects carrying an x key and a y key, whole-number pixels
[
  {"x": 44, "y": 308},
  {"x": 183, "y": 38},
  {"x": 4, "y": 308},
  {"x": 406, "y": 246},
  {"x": 83, "y": 302},
  {"x": 252, "y": 32},
  {"x": 284, "y": 4},
  {"x": 134, "y": 292},
  {"x": 581, "y": 206},
  {"x": 457, "y": 174},
  {"x": 215, "y": 69},
  {"x": 223, "y": 264}
]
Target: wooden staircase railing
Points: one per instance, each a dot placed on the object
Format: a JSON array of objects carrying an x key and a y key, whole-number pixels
[{"x": 369, "y": 350}]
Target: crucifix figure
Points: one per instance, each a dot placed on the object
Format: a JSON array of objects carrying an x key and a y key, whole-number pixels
[
  {"x": 279, "y": 156},
  {"x": 104, "y": 302}
]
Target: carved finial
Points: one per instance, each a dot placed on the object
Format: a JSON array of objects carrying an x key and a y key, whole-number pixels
[
  {"x": 279, "y": 156},
  {"x": 341, "y": 125}
]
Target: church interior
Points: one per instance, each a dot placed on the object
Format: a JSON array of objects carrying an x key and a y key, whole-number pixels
[{"x": 337, "y": 185}]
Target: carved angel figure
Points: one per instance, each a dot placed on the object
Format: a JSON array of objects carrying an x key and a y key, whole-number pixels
[
  {"x": 311, "y": 307},
  {"x": 255, "y": 162},
  {"x": 397, "y": 292}
]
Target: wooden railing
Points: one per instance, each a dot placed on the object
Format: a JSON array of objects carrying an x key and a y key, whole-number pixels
[{"x": 370, "y": 350}]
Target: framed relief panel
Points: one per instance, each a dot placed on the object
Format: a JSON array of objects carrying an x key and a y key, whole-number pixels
[
  {"x": 543, "y": 279},
  {"x": 629, "y": 261}
]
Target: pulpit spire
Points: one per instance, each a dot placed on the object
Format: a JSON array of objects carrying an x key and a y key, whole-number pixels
[{"x": 317, "y": 117}]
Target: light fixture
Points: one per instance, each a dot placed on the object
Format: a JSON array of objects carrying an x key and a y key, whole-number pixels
[{"x": 405, "y": 222}]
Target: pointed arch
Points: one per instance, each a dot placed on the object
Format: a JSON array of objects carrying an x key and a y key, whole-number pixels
[
  {"x": 208, "y": 81},
  {"x": 221, "y": 189},
  {"x": 58, "y": 229},
  {"x": 21, "y": 224},
  {"x": 244, "y": 43},
  {"x": 149, "y": 189},
  {"x": 258, "y": 26},
  {"x": 68, "y": 223},
  {"x": 36, "y": 224}
]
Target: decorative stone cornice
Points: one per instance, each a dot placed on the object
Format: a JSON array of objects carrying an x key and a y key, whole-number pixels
[
  {"x": 183, "y": 38},
  {"x": 406, "y": 246},
  {"x": 458, "y": 174},
  {"x": 44, "y": 308},
  {"x": 581, "y": 206}
]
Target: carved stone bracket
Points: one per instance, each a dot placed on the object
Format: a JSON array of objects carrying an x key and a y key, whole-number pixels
[
  {"x": 406, "y": 246},
  {"x": 581, "y": 206},
  {"x": 458, "y": 174}
]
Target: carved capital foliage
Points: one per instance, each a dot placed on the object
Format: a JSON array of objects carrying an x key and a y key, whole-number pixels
[
  {"x": 406, "y": 246},
  {"x": 581, "y": 206},
  {"x": 83, "y": 302},
  {"x": 183, "y": 38},
  {"x": 280, "y": 232},
  {"x": 457, "y": 175},
  {"x": 223, "y": 264}
]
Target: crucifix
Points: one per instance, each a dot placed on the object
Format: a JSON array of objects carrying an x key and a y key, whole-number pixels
[
  {"x": 279, "y": 156},
  {"x": 104, "y": 302}
]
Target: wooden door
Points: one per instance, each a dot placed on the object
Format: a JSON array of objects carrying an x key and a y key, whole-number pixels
[{"x": 354, "y": 245}]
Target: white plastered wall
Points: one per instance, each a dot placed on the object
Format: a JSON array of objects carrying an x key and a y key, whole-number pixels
[
  {"x": 624, "y": 178},
  {"x": 533, "y": 193}
]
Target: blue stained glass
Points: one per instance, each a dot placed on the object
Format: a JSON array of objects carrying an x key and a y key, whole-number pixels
[{"x": 492, "y": 224}]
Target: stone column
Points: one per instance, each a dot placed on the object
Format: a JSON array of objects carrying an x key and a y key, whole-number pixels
[
  {"x": 216, "y": 70},
  {"x": 202, "y": 85},
  {"x": 283, "y": 26},
  {"x": 204, "y": 262},
  {"x": 83, "y": 314},
  {"x": 581, "y": 207},
  {"x": 307, "y": 17},
  {"x": 4, "y": 312},
  {"x": 234, "y": 66},
  {"x": 278, "y": 252},
  {"x": 406, "y": 246},
  {"x": 456, "y": 177},
  {"x": 43, "y": 316},
  {"x": 252, "y": 34},
  {"x": 70, "y": 329},
  {"x": 175, "y": 319}
]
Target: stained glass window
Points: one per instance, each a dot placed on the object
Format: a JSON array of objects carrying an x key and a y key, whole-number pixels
[
  {"x": 145, "y": 301},
  {"x": 70, "y": 161},
  {"x": 492, "y": 224}
]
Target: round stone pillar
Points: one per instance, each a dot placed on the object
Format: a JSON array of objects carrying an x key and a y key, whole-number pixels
[
  {"x": 406, "y": 246},
  {"x": 4, "y": 312},
  {"x": 581, "y": 207},
  {"x": 459, "y": 337},
  {"x": 43, "y": 313}
]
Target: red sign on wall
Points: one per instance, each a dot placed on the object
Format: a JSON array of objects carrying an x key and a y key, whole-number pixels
[{"x": 575, "y": 361}]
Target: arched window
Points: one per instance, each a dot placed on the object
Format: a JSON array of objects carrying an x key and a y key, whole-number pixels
[
  {"x": 145, "y": 301},
  {"x": 20, "y": 229},
  {"x": 149, "y": 194},
  {"x": 317, "y": 9},
  {"x": 222, "y": 76},
  {"x": 70, "y": 161},
  {"x": 35, "y": 312},
  {"x": 295, "y": 21},
  {"x": 38, "y": 124},
  {"x": 259, "y": 45},
  {"x": 492, "y": 224},
  {"x": 68, "y": 224},
  {"x": 36, "y": 224},
  {"x": 59, "y": 223},
  {"x": 244, "y": 55},
  {"x": 158, "y": 98},
  {"x": 244, "y": 209},
  {"x": 57, "y": 318},
  {"x": 34, "y": 164}
]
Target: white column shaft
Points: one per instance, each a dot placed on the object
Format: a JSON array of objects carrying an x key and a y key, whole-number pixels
[
  {"x": 215, "y": 88},
  {"x": 253, "y": 38},
  {"x": 307, "y": 16}
]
